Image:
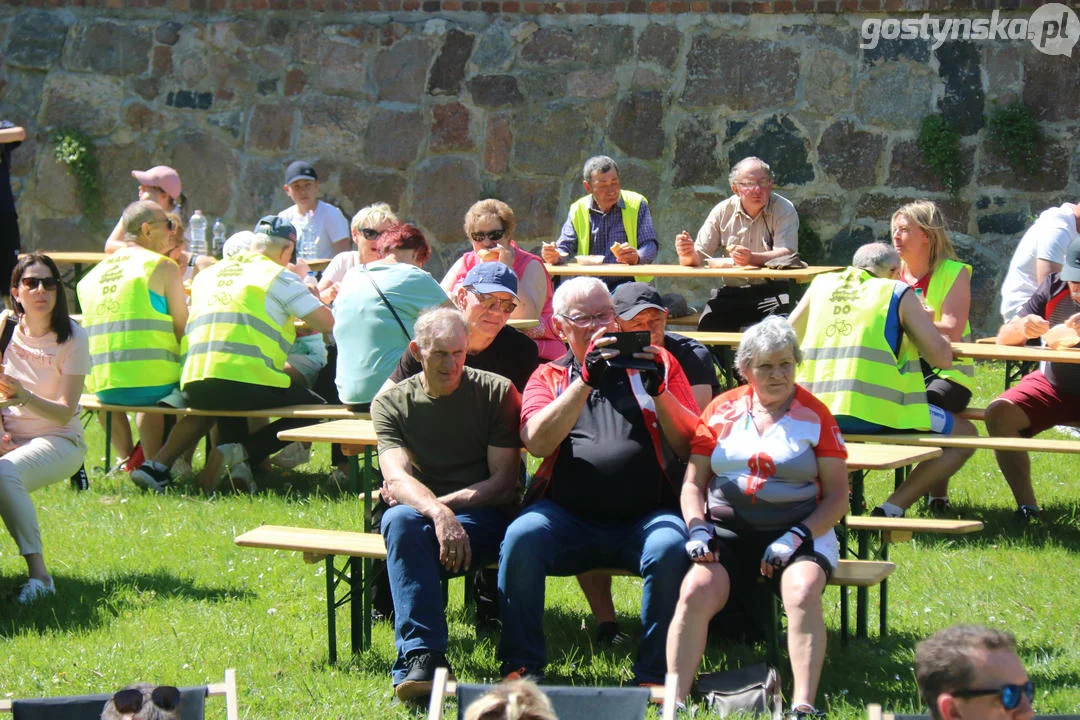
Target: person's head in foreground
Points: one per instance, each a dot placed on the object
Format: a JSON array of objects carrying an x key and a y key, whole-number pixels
[
  {"x": 487, "y": 297},
  {"x": 582, "y": 307},
  {"x": 368, "y": 225},
  {"x": 146, "y": 224},
  {"x": 513, "y": 700},
  {"x": 275, "y": 238},
  {"x": 143, "y": 701},
  {"x": 36, "y": 287},
  {"x": 600, "y": 176},
  {"x": 879, "y": 259},
  {"x": 405, "y": 244},
  {"x": 160, "y": 184},
  {"x": 440, "y": 342},
  {"x": 640, "y": 307},
  {"x": 752, "y": 180},
  {"x": 920, "y": 234},
  {"x": 767, "y": 356},
  {"x": 969, "y": 672},
  {"x": 488, "y": 224}
]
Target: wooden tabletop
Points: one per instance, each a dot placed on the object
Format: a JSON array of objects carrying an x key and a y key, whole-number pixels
[
  {"x": 867, "y": 456},
  {"x": 345, "y": 432},
  {"x": 714, "y": 338},
  {"x": 75, "y": 258},
  {"x": 523, "y": 323},
  {"x": 994, "y": 351},
  {"x": 314, "y": 541},
  {"x": 803, "y": 275},
  {"x": 968, "y": 441},
  {"x": 941, "y": 526}
]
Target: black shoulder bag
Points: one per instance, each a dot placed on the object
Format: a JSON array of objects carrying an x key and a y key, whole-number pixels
[{"x": 387, "y": 302}]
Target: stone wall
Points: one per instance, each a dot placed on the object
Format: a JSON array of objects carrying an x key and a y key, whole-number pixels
[{"x": 430, "y": 106}]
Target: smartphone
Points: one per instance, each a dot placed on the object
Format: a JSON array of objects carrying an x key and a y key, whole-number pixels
[{"x": 628, "y": 343}]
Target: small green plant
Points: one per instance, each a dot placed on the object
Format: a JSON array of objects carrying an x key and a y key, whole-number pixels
[
  {"x": 939, "y": 143},
  {"x": 75, "y": 150},
  {"x": 1015, "y": 136}
]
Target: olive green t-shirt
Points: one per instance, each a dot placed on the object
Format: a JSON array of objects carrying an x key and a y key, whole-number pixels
[{"x": 447, "y": 438}]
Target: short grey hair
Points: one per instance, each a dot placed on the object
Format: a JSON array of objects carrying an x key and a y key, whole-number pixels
[
  {"x": 438, "y": 322},
  {"x": 597, "y": 164},
  {"x": 876, "y": 258},
  {"x": 268, "y": 244},
  {"x": 745, "y": 163},
  {"x": 139, "y": 212},
  {"x": 574, "y": 289},
  {"x": 768, "y": 336}
]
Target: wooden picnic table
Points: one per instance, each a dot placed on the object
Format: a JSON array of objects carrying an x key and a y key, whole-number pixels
[
  {"x": 1019, "y": 353},
  {"x": 799, "y": 275}
]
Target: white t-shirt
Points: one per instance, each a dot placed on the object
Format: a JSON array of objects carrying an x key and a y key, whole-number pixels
[
  {"x": 329, "y": 223},
  {"x": 341, "y": 264},
  {"x": 1047, "y": 239}
]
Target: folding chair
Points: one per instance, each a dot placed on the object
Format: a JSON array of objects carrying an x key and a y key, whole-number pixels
[
  {"x": 570, "y": 703},
  {"x": 88, "y": 707}
]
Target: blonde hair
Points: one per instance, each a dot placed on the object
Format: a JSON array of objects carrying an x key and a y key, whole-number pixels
[
  {"x": 513, "y": 700},
  {"x": 490, "y": 208},
  {"x": 372, "y": 216},
  {"x": 928, "y": 216}
]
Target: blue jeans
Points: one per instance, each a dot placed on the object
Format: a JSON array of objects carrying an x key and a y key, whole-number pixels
[
  {"x": 548, "y": 540},
  {"x": 412, "y": 565}
]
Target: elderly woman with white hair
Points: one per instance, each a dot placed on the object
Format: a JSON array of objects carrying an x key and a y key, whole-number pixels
[{"x": 766, "y": 484}]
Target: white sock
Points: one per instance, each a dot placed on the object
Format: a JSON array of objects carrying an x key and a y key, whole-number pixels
[{"x": 892, "y": 510}]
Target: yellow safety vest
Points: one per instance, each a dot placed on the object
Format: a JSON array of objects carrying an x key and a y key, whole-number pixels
[
  {"x": 230, "y": 335},
  {"x": 944, "y": 275},
  {"x": 847, "y": 361},
  {"x": 131, "y": 343},
  {"x": 579, "y": 218}
]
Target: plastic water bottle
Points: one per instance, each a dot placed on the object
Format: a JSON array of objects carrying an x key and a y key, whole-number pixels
[
  {"x": 219, "y": 238},
  {"x": 307, "y": 243},
  {"x": 197, "y": 225}
]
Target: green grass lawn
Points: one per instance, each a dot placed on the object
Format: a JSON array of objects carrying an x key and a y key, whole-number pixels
[{"x": 153, "y": 588}]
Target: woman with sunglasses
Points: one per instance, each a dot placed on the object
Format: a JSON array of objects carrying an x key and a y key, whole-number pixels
[
  {"x": 160, "y": 184},
  {"x": 190, "y": 264},
  {"x": 44, "y": 365},
  {"x": 368, "y": 225},
  {"x": 489, "y": 226}
]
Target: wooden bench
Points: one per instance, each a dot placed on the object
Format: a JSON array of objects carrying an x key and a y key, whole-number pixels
[
  {"x": 90, "y": 403},
  {"x": 980, "y": 442},
  {"x": 324, "y": 545}
]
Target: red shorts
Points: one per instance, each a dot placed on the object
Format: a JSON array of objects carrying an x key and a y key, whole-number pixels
[{"x": 1044, "y": 405}]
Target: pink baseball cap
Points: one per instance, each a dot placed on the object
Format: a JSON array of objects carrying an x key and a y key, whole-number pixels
[{"x": 161, "y": 176}]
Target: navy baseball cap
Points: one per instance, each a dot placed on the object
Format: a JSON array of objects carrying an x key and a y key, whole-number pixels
[
  {"x": 491, "y": 277},
  {"x": 300, "y": 170},
  {"x": 274, "y": 226},
  {"x": 1070, "y": 270}
]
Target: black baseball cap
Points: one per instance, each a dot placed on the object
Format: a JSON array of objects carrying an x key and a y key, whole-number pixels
[
  {"x": 633, "y": 297},
  {"x": 300, "y": 170},
  {"x": 1070, "y": 270},
  {"x": 274, "y": 226}
]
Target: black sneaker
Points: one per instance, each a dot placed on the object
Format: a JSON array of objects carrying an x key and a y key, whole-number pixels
[
  {"x": 804, "y": 712},
  {"x": 80, "y": 481},
  {"x": 417, "y": 682},
  {"x": 1028, "y": 513},
  {"x": 608, "y": 634},
  {"x": 878, "y": 512},
  {"x": 938, "y": 506},
  {"x": 150, "y": 478}
]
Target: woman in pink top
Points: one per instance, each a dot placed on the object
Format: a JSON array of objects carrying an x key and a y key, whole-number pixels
[
  {"x": 44, "y": 366},
  {"x": 489, "y": 225}
]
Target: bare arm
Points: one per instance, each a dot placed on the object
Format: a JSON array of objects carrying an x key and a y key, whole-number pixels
[
  {"x": 702, "y": 395},
  {"x": 116, "y": 239},
  {"x": 532, "y": 292},
  {"x": 320, "y": 319},
  {"x": 684, "y": 248},
  {"x": 497, "y": 489},
  {"x": 932, "y": 345},
  {"x": 1044, "y": 268},
  {"x": 1021, "y": 329},
  {"x": 12, "y": 134},
  {"x": 342, "y": 245},
  {"x": 447, "y": 283},
  {"x": 832, "y": 472},
  {"x": 170, "y": 283},
  {"x": 953, "y": 317},
  {"x": 58, "y": 411},
  {"x": 799, "y": 316},
  {"x": 545, "y": 430}
]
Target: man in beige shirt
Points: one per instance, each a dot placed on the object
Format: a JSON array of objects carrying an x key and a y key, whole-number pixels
[{"x": 754, "y": 225}]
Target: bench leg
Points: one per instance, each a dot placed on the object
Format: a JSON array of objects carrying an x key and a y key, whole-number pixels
[
  {"x": 845, "y": 620},
  {"x": 331, "y": 610},
  {"x": 772, "y": 633},
  {"x": 883, "y": 596},
  {"x": 108, "y": 441}
]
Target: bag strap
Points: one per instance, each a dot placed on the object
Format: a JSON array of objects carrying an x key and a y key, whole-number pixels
[
  {"x": 388, "y": 305},
  {"x": 9, "y": 329}
]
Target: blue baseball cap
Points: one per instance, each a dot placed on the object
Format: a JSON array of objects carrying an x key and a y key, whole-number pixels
[
  {"x": 492, "y": 277},
  {"x": 274, "y": 226}
]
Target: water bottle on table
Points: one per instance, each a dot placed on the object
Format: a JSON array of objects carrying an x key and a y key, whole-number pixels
[
  {"x": 307, "y": 243},
  {"x": 219, "y": 238},
  {"x": 197, "y": 226}
]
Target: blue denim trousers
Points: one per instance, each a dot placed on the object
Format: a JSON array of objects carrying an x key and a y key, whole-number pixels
[
  {"x": 546, "y": 539},
  {"x": 412, "y": 565}
]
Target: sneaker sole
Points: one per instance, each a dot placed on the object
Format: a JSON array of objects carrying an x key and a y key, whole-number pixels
[
  {"x": 146, "y": 482},
  {"x": 413, "y": 689}
]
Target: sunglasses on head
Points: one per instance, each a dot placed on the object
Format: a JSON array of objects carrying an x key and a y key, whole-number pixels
[
  {"x": 370, "y": 233},
  {"x": 130, "y": 701},
  {"x": 495, "y": 235},
  {"x": 49, "y": 283},
  {"x": 1010, "y": 694}
]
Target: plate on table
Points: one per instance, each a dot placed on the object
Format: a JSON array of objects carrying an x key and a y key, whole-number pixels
[
  {"x": 723, "y": 262},
  {"x": 589, "y": 259}
]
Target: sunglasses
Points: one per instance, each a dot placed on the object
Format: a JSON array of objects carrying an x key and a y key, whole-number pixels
[
  {"x": 370, "y": 234},
  {"x": 1010, "y": 694},
  {"x": 494, "y": 235},
  {"x": 130, "y": 701},
  {"x": 168, "y": 223},
  {"x": 30, "y": 283},
  {"x": 489, "y": 302}
]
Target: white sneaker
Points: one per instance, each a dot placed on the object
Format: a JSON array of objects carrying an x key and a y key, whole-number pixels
[
  {"x": 1069, "y": 430},
  {"x": 34, "y": 590},
  {"x": 235, "y": 459},
  {"x": 291, "y": 455}
]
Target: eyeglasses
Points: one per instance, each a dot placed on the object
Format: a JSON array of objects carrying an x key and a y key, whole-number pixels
[
  {"x": 168, "y": 223},
  {"x": 30, "y": 283},
  {"x": 587, "y": 321},
  {"x": 130, "y": 701},
  {"x": 493, "y": 235},
  {"x": 1010, "y": 694},
  {"x": 489, "y": 302},
  {"x": 763, "y": 183},
  {"x": 369, "y": 233}
]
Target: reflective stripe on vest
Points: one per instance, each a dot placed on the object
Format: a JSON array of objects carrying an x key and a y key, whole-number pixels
[
  {"x": 131, "y": 343},
  {"x": 579, "y": 218},
  {"x": 847, "y": 361},
  {"x": 230, "y": 335},
  {"x": 962, "y": 371}
]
